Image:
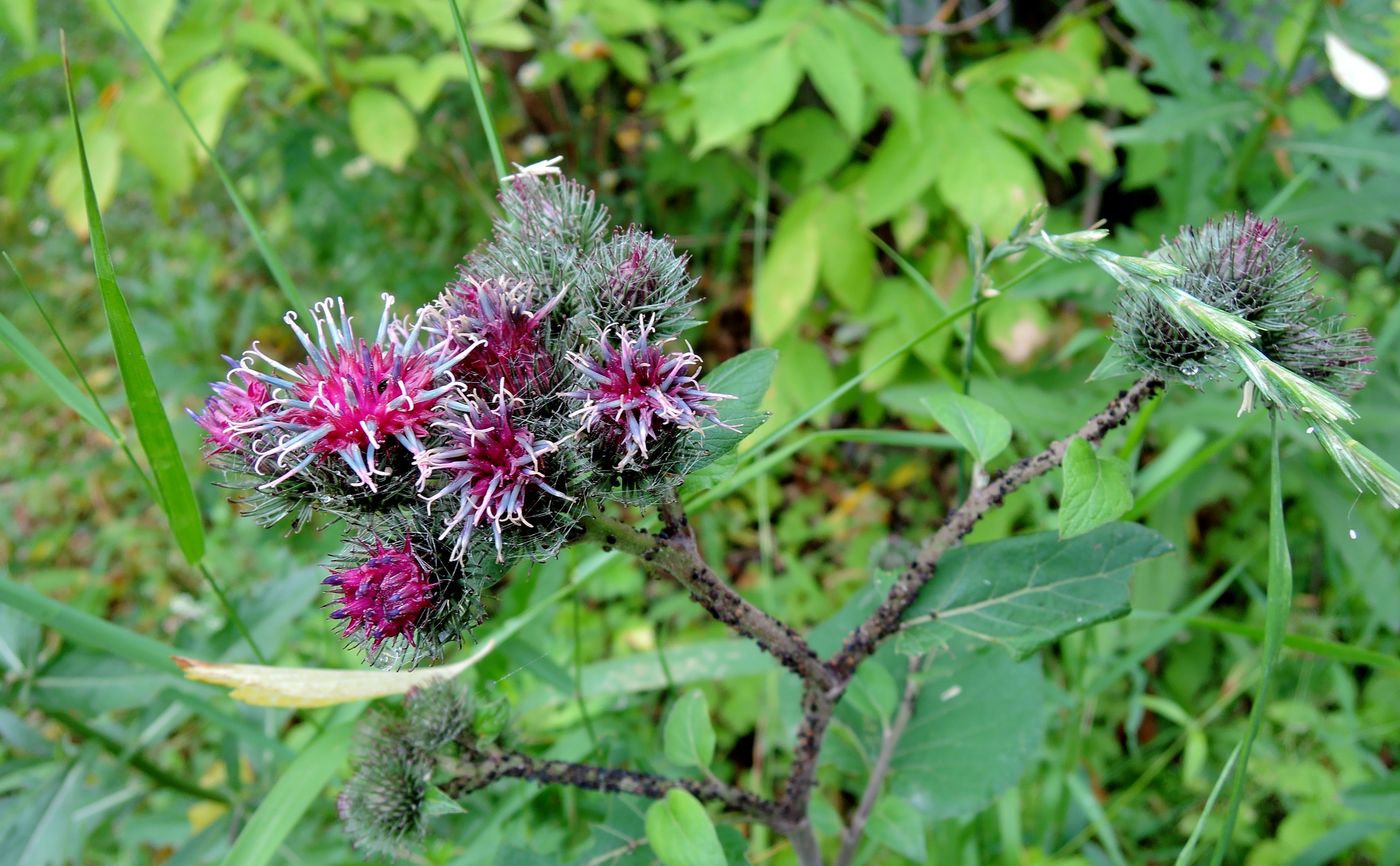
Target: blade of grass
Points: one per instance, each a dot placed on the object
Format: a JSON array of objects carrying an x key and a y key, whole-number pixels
[
  {"x": 1188, "y": 852},
  {"x": 772, "y": 439},
  {"x": 1328, "y": 649},
  {"x": 176, "y": 495},
  {"x": 896, "y": 438},
  {"x": 152, "y": 426},
  {"x": 86, "y": 629},
  {"x": 137, "y": 761},
  {"x": 289, "y": 799},
  {"x": 99, "y": 418},
  {"x": 45, "y": 369},
  {"x": 270, "y": 258},
  {"x": 478, "y": 94},
  {"x": 1277, "y": 607}
]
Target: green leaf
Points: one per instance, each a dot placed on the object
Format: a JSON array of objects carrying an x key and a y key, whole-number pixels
[
  {"x": 788, "y": 280},
  {"x": 681, "y": 833},
  {"x": 19, "y": 19},
  {"x": 986, "y": 179},
  {"x": 898, "y": 826},
  {"x": 883, "y": 66},
  {"x": 1162, "y": 35},
  {"x": 1026, "y": 591},
  {"x": 744, "y": 377},
  {"x": 689, "y": 738},
  {"x": 289, "y": 799},
  {"x": 85, "y": 629},
  {"x": 977, "y": 725},
  {"x": 902, "y": 168},
  {"x": 874, "y": 692},
  {"x": 61, "y": 385},
  {"x": 154, "y": 133},
  {"x": 147, "y": 411},
  {"x": 268, "y": 39},
  {"x": 982, "y": 430},
  {"x": 438, "y": 802},
  {"x": 225, "y": 79},
  {"x": 148, "y": 17},
  {"x": 1095, "y": 491},
  {"x": 1278, "y": 605},
  {"x": 828, "y": 62},
  {"x": 383, "y": 127},
  {"x": 209, "y": 93},
  {"x": 846, "y": 255},
  {"x": 741, "y": 93},
  {"x": 65, "y": 187}
]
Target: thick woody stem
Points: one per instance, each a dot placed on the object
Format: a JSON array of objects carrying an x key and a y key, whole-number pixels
[
  {"x": 673, "y": 552},
  {"x": 862, "y": 643},
  {"x": 481, "y": 767}
]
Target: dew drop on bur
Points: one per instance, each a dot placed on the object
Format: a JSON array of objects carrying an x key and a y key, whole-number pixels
[
  {"x": 1190, "y": 368},
  {"x": 1352, "y": 534}
]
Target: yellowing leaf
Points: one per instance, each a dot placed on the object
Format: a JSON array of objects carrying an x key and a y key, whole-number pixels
[
  {"x": 271, "y": 686},
  {"x": 1354, "y": 71}
]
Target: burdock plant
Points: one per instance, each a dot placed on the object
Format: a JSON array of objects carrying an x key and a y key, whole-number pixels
[{"x": 550, "y": 378}]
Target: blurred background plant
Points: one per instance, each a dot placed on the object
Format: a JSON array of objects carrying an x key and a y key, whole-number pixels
[{"x": 824, "y": 165}]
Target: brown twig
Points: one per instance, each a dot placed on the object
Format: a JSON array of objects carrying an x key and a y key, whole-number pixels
[
  {"x": 939, "y": 22},
  {"x": 861, "y": 644},
  {"x": 481, "y": 767},
  {"x": 673, "y": 552}
]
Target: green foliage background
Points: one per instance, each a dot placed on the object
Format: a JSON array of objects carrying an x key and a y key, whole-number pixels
[{"x": 792, "y": 150}]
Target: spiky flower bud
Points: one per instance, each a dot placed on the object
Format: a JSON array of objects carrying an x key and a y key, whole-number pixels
[
  {"x": 495, "y": 468},
  {"x": 437, "y": 714},
  {"x": 382, "y": 804},
  {"x": 634, "y": 274},
  {"x": 636, "y": 393},
  {"x": 498, "y": 329},
  {"x": 384, "y": 596}
]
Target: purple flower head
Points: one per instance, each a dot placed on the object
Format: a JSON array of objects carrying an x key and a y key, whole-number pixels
[
  {"x": 493, "y": 464},
  {"x": 635, "y": 391},
  {"x": 383, "y": 597},
  {"x": 497, "y": 328},
  {"x": 232, "y": 405},
  {"x": 351, "y": 398}
]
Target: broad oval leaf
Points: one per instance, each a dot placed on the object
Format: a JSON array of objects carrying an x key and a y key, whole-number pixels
[
  {"x": 1024, "y": 592},
  {"x": 746, "y": 378},
  {"x": 383, "y": 127},
  {"x": 789, "y": 276},
  {"x": 681, "y": 833},
  {"x": 898, "y": 826},
  {"x": 1095, "y": 490},
  {"x": 688, "y": 736},
  {"x": 982, "y": 430},
  {"x": 977, "y": 725}
]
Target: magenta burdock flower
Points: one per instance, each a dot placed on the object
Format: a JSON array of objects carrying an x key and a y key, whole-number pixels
[
  {"x": 495, "y": 468},
  {"x": 635, "y": 392},
  {"x": 497, "y": 327},
  {"x": 384, "y": 597},
  {"x": 351, "y": 398},
  {"x": 233, "y": 405}
]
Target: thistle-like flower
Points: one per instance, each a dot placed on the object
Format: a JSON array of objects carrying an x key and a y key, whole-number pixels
[
  {"x": 232, "y": 405},
  {"x": 636, "y": 392},
  {"x": 351, "y": 398},
  {"x": 495, "y": 470},
  {"x": 498, "y": 330},
  {"x": 384, "y": 596},
  {"x": 437, "y": 713}
]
